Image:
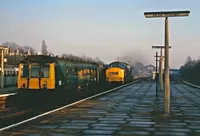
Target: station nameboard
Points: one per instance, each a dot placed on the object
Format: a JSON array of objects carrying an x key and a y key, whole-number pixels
[
  {"x": 158, "y": 47},
  {"x": 166, "y": 14}
]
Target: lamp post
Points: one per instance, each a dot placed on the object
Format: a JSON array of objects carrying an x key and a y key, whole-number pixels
[
  {"x": 156, "y": 76},
  {"x": 2, "y": 65},
  {"x": 160, "y": 65},
  {"x": 166, "y": 15}
]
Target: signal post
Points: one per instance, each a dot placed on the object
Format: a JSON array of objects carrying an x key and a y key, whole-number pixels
[{"x": 166, "y": 15}]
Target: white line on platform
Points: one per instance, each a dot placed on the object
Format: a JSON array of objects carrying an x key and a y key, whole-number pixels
[
  {"x": 191, "y": 84},
  {"x": 46, "y": 113},
  {"x": 5, "y": 95}
]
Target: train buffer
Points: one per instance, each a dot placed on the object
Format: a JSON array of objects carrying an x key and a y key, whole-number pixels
[{"x": 131, "y": 110}]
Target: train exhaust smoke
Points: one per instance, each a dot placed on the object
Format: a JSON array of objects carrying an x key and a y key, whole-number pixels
[{"x": 132, "y": 58}]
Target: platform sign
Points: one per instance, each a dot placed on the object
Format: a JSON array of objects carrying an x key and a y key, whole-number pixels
[
  {"x": 158, "y": 47},
  {"x": 166, "y": 14}
]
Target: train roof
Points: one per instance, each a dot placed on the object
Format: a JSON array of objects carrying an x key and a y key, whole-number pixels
[
  {"x": 49, "y": 59},
  {"x": 122, "y": 65},
  {"x": 119, "y": 62}
]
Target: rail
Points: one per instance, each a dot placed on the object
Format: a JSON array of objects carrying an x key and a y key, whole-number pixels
[{"x": 190, "y": 84}]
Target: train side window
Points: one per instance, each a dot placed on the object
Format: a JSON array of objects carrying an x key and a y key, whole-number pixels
[
  {"x": 71, "y": 70},
  {"x": 35, "y": 71},
  {"x": 68, "y": 69},
  {"x": 24, "y": 71},
  {"x": 45, "y": 71}
]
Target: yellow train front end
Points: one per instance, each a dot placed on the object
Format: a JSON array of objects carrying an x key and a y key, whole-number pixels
[
  {"x": 35, "y": 76},
  {"x": 115, "y": 75}
]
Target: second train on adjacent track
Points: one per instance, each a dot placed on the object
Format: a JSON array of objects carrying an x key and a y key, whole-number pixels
[{"x": 119, "y": 72}]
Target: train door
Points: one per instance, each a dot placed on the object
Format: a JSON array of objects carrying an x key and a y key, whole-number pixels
[
  {"x": 47, "y": 76},
  {"x": 23, "y": 76},
  {"x": 34, "y": 82}
]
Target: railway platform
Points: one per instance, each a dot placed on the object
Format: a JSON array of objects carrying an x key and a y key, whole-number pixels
[
  {"x": 132, "y": 110},
  {"x": 8, "y": 91}
]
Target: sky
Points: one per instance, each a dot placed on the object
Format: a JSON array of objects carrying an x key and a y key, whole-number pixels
[{"x": 107, "y": 29}]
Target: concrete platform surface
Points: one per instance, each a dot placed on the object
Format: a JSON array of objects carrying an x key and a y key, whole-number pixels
[
  {"x": 8, "y": 90},
  {"x": 128, "y": 111}
]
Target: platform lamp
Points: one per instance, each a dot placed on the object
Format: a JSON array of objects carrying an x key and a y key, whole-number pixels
[
  {"x": 2, "y": 48},
  {"x": 166, "y": 15}
]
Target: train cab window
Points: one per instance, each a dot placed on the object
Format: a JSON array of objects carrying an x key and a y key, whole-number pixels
[
  {"x": 114, "y": 73},
  {"x": 24, "y": 71},
  {"x": 35, "y": 69},
  {"x": 45, "y": 69}
]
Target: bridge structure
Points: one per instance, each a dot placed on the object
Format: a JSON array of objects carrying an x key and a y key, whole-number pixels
[{"x": 174, "y": 71}]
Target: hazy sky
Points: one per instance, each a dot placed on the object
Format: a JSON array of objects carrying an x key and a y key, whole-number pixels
[{"x": 104, "y": 28}]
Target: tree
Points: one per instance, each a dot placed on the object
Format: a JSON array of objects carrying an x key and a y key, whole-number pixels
[
  {"x": 188, "y": 61},
  {"x": 44, "y": 48},
  {"x": 26, "y": 48},
  {"x": 97, "y": 60},
  {"x": 11, "y": 45}
]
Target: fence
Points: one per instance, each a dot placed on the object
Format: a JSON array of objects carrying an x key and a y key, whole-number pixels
[{"x": 10, "y": 79}]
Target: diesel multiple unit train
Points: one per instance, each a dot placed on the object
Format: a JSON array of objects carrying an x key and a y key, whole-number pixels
[{"x": 39, "y": 72}]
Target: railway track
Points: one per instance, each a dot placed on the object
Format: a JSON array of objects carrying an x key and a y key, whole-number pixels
[
  {"x": 189, "y": 96},
  {"x": 16, "y": 118},
  {"x": 13, "y": 110}
]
